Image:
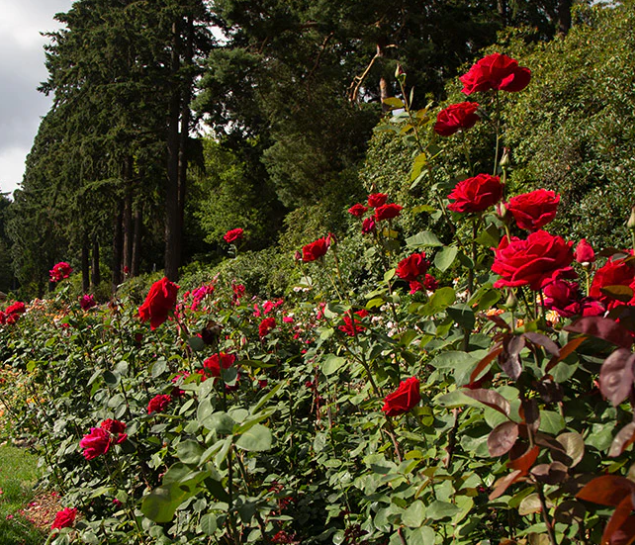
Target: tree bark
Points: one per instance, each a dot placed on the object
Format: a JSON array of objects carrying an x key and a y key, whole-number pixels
[
  {"x": 136, "y": 240},
  {"x": 173, "y": 224},
  {"x": 85, "y": 265},
  {"x": 117, "y": 247},
  {"x": 127, "y": 216},
  {"x": 185, "y": 119},
  {"x": 96, "y": 272},
  {"x": 564, "y": 17}
]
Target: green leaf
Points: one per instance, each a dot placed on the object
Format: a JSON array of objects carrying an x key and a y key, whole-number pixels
[
  {"x": 425, "y": 238},
  {"x": 257, "y": 439},
  {"x": 196, "y": 343},
  {"x": 551, "y": 422},
  {"x": 394, "y": 102},
  {"x": 389, "y": 275},
  {"x": 189, "y": 452},
  {"x": 332, "y": 363},
  {"x": 489, "y": 237},
  {"x": 462, "y": 315},
  {"x": 208, "y": 524},
  {"x": 414, "y": 515},
  {"x": 444, "y": 259},
  {"x": 163, "y": 501},
  {"x": 440, "y": 300},
  {"x": 420, "y": 536},
  {"x": 221, "y": 422},
  {"x": 159, "y": 367},
  {"x": 110, "y": 378},
  {"x": 440, "y": 509}
]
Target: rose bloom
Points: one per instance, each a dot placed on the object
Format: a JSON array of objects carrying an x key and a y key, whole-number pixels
[
  {"x": 16, "y": 308},
  {"x": 266, "y": 326},
  {"x": 87, "y": 302},
  {"x": 212, "y": 367},
  {"x": 233, "y": 235},
  {"x": 535, "y": 209},
  {"x": 498, "y": 72},
  {"x": 387, "y": 212},
  {"x": 534, "y": 262},
  {"x": 615, "y": 272},
  {"x": 357, "y": 210},
  {"x": 584, "y": 253},
  {"x": 476, "y": 194},
  {"x": 430, "y": 283},
  {"x": 412, "y": 267},
  {"x": 315, "y": 249},
  {"x": 368, "y": 226},
  {"x": 377, "y": 199},
  {"x": 456, "y": 117},
  {"x": 403, "y": 398},
  {"x": 96, "y": 443},
  {"x": 64, "y": 518},
  {"x": 159, "y": 403},
  {"x": 116, "y": 428},
  {"x": 563, "y": 297},
  {"x": 60, "y": 271},
  {"x": 160, "y": 300},
  {"x": 351, "y": 327}
]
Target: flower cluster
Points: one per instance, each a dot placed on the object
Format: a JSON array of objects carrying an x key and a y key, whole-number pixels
[
  {"x": 99, "y": 440},
  {"x": 60, "y": 271}
]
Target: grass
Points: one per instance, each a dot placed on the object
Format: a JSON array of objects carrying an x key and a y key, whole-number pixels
[{"x": 18, "y": 474}]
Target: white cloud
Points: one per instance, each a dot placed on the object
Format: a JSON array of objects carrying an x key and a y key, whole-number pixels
[{"x": 21, "y": 72}]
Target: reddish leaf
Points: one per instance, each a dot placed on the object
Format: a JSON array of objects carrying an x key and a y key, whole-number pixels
[
  {"x": 525, "y": 461},
  {"x": 616, "y": 376},
  {"x": 567, "y": 349},
  {"x": 544, "y": 341},
  {"x": 602, "y": 328},
  {"x": 498, "y": 321},
  {"x": 491, "y": 399},
  {"x": 530, "y": 413},
  {"x": 504, "y": 482},
  {"x": 552, "y": 473},
  {"x": 607, "y": 490},
  {"x": 617, "y": 520},
  {"x": 619, "y": 292},
  {"x": 625, "y": 534},
  {"x": 502, "y": 438},
  {"x": 484, "y": 363},
  {"x": 623, "y": 439},
  {"x": 509, "y": 359}
]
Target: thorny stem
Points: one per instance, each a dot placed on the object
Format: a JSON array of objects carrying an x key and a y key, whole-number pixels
[
  {"x": 413, "y": 121},
  {"x": 497, "y": 125},
  {"x": 259, "y": 520}
]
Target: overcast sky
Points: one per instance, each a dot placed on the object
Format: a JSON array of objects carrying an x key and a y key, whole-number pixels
[{"x": 21, "y": 71}]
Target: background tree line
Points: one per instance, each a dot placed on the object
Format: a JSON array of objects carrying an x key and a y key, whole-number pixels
[{"x": 286, "y": 93}]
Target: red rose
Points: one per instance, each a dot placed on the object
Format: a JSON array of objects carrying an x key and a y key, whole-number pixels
[
  {"x": 87, "y": 302},
  {"x": 266, "y": 326},
  {"x": 412, "y": 267},
  {"x": 60, "y": 271},
  {"x": 315, "y": 250},
  {"x": 212, "y": 367},
  {"x": 368, "y": 226},
  {"x": 563, "y": 297},
  {"x": 387, "y": 212},
  {"x": 353, "y": 326},
  {"x": 96, "y": 443},
  {"x": 116, "y": 428},
  {"x": 456, "y": 117},
  {"x": 615, "y": 272},
  {"x": 233, "y": 235},
  {"x": 16, "y": 308},
  {"x": 377, "y": 199},
  {"x": 584, "y": 253},
  {"x": 64, "y": 518},
  {"x": 534, "y": 262},
  {"x": 159, "y": 403},
  {"x": 476, "y": 194},
  {"x": 159, "y": 302},
  {"x": 357, "y": 210},
  {"x": 403, "y": 398},
  {"x": 498, "y": 72},
  {"x": 535, "y": 209}
]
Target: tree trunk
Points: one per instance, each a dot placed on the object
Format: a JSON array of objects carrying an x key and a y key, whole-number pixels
[
  {"x": 173, "y": 224},
  {"x": 383, "y": 84},
  {"x": 96, "y": 272},
  {"x": 127, "y": 216},
  {"x": 136, "y": 241},
  {"x": 85, "y": 265},
  {"x": 117, "y": 247},
  {"x": 185, "y": 119},
  {"x": 564, "y": 17}
]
